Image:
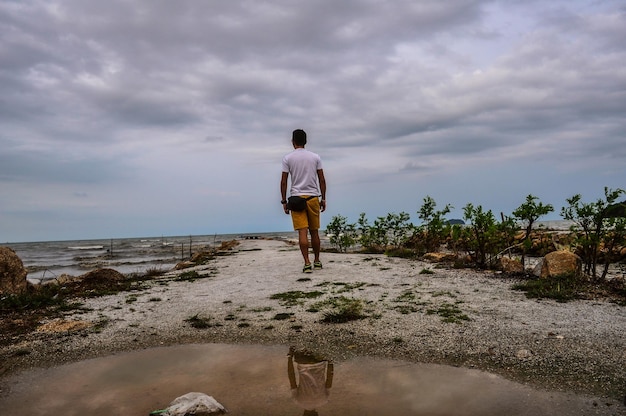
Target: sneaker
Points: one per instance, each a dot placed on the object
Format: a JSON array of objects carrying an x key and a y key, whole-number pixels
[
  {"x": 307, "y": 268},
  {"x": 317, "y": 264}
]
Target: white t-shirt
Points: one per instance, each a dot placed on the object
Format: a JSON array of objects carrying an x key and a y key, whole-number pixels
[
  {"x": 302, "y": 165},
  {"x": 311, "y": 392}
]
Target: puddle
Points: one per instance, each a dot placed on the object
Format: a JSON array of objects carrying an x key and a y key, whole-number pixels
[{"x": 255, "y": 380}]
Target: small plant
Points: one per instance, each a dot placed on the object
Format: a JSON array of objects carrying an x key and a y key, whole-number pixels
[
  {"x": 561, "y": 288},
  {"x": 189, "y": 276},
  {"x": 154, "y": 272},
  {"x": 406, "y": 302},
  {"x": 102, "y": 322},
  {"x": 295, "y": 297},
  {"x": 405, "y": 296},
  {"x": 21, "y": 352},
  {"x": 45, "y": 296},
  {"x": 348, "y": 287},
  {"x": 282, "y": 316},
  {"x": 427, "y": 271},
  {"x": 406, "y": 309},
  {"x": 199, "y": 322},
  {"x": 343, "y": 309},
  {"x": 449, "y": 313}
]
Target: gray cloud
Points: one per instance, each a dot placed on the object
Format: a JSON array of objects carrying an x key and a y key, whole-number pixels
[{"x": 167, "y": 97}]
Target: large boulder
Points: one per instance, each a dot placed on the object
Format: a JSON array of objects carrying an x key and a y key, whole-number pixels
[
  {"x": 12, "y": 272},
  {"x": 559, "y": 263}
]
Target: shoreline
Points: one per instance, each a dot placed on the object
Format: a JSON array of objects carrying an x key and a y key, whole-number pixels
[{"x": 577, "y": 347}]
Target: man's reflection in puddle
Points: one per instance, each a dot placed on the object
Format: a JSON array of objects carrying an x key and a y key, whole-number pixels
[{"x": 311, "y": 388}]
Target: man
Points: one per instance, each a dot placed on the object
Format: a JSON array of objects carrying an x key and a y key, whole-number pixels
[{"x": 307, "y": 180}]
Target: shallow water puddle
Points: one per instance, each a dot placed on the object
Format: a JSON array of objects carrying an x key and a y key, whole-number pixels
[{"x": 254, "y": 380}]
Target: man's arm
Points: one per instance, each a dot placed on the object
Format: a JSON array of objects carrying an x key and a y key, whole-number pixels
[
  {"x": 290, "y": 370},
  {"x": 330, "y": 371},
  {"x": 322, "y": 181},
  {"x": 283, "y": 190}
]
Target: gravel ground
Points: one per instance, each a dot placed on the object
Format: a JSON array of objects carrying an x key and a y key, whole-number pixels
[{"x": 459, "y": 317}]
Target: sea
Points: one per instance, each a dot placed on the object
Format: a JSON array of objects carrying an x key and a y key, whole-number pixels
[{"x": 47, "y": 260}]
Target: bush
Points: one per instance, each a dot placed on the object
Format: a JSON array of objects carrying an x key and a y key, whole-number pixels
[
  {"x": 597, "y": 231},
  {"x": 390, "y": 232},
  {"x": 485, "y": 238},
  {"x": 529, "y": 212},
  {"x": 434, "y": 229},
  {"x": 341, "y": 234}
]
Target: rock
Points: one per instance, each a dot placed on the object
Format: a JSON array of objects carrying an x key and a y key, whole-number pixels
[
  {"x": 65, "y": 279},
  {"x": 523, "y": 354},
  {"x": 12, "y": 272},
  {"x": 509, "y": 265},
  {"x": 559, "y": 263},
  {"x": 196, "y": 404},
  {"x": 537, "y": 268},
  {"x": 61, "y": 325},
  {"x": 99, "y": 278},
  {"x": 439, "y": 257},
  {"x": 185, "y": 264},
  {"x": 102, "y": 275}
]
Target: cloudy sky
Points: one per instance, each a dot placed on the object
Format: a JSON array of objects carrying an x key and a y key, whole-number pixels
[{"x": 158, "y": 117}]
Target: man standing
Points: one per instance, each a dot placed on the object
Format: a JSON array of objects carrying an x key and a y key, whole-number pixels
[{"x": 307, "y": 180}]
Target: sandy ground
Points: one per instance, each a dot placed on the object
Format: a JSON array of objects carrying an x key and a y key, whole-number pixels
[{"x": 578, "y": 346}]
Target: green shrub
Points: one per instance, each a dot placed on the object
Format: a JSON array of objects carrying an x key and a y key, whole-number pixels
[
  {"x": 529, "y": 212},
  {"x": 560, "y": 288},
  {"x": 598, "y": 233},
  {"x": 485, "y": 238},
  {"x": 434, "y": 229},
  {"x": 341, "y": 234}
]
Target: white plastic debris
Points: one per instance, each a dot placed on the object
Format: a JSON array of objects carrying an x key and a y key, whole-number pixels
[{"x": 195, "y": 404}]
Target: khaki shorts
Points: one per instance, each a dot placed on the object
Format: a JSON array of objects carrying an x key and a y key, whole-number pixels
[{"x": 309, "y": 218}]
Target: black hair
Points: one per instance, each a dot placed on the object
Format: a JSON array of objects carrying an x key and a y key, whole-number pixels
[{"x": 299, "y": 137}]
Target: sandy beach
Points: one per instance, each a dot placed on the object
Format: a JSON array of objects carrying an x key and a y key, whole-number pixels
[{"x": 412, "y": 310}]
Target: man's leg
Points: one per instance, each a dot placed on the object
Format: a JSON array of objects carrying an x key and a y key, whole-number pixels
[
  {"x": 316, "y": 244},
  {"x": 303, "y": 240}
]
